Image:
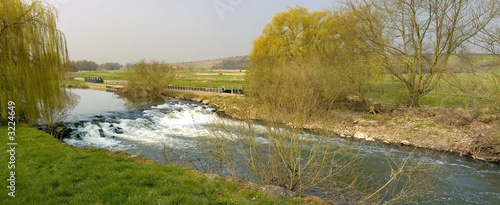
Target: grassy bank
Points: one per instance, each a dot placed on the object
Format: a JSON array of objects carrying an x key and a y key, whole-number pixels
[
  {"x": 74, "y": 84},
  {"x": 49, "y": 172}
]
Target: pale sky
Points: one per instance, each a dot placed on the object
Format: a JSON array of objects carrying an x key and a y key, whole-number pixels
[{"x": 167, "y": 30}]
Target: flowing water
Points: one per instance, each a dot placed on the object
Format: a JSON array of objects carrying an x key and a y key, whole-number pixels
[{"x": 102, "y": 120}]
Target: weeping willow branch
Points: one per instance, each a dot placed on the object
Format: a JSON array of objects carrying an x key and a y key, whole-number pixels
[{"x": 32, "y": 56}]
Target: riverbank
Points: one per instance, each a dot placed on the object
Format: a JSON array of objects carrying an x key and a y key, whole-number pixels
[
  {"x": 469, "y": 132},
  {"x": 50, "y": 172}
]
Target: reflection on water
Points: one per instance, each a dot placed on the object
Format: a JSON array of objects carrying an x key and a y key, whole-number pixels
[{"x": 93, "y": 102}]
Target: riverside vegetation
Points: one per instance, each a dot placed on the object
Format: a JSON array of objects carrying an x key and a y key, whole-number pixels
[{"x": 326, "y": 70}]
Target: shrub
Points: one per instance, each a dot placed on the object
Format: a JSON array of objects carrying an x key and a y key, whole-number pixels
[{"x": 149, "y": 80}]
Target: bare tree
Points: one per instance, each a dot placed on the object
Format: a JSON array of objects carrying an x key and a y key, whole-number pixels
[
  {"x": 419, "y": 36},
  {"x": 481, "y": 82},
  {"x": 489, "y": 39}
]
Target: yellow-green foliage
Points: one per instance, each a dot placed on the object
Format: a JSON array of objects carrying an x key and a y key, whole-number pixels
[
  {"x": 149, "y": 79},
  {"x": 309, "y": 60},
  {"x": 32, "y": 52}
]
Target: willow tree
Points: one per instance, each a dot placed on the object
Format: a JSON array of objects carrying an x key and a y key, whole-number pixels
[
  {"x": 419, "y": 36},
  {"x": 32, "y": 52},
  {"x": 309, "y": 60}
]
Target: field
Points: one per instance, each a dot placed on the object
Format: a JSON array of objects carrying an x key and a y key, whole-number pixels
[
  {"x": 387, "y": 90},
  {"x": 210, "y": 78},
  {"x": 203, "y": 78}
]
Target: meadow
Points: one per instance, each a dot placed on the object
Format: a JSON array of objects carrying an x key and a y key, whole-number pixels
[{"x": 194, "y": 78}]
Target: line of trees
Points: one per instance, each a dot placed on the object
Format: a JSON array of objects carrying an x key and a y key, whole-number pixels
[
  {"x": 232, "y": 64},
  {"x": 110, "y": 66},
  {"x": 85, "y": 65}
]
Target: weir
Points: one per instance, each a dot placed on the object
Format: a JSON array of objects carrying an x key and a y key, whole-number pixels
[{"x": 200, "y": 89}]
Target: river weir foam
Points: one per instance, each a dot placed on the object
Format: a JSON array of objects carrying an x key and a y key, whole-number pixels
[{"x": 167, "y": 124}]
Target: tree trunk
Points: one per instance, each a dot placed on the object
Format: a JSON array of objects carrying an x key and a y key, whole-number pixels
[{"x": 413, "y": 97}]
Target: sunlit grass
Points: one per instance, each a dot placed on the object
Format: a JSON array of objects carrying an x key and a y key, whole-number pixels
[
  {"x": 386, "y": 90},
  {"x": 206, "y": 79},
  {"x": 49, "y": 172}
]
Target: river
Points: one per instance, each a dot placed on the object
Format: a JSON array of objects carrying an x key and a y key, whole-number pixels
[{"x": 102, "y": 120}]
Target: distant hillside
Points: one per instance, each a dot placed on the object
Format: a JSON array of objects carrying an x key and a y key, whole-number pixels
[
  {"x": 221, "y": 63},
  {"x": 237, "y": 63}
]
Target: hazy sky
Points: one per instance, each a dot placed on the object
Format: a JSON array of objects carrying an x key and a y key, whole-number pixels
[{"x": 167, "y": 30}]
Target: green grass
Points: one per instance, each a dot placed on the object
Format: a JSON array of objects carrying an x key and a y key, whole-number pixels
[
  {"x": 388, "y": 91},
  {"x": 104, "y": 74},
  {"x": 206, "y": 79},
  {"x": 212, "y": 84},
  {"x": 211, "y": 78},
  {"x": 49, "y": 172}
]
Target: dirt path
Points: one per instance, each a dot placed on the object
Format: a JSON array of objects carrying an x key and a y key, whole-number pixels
[{"x": 101, "y": 86}]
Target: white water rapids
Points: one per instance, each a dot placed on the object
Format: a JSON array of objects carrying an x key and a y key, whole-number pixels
[{"x": 167, "y": 124}]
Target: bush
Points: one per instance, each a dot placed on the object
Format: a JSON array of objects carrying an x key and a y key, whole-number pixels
[
  {"x": 486, "y": 145},
  {"x": 286, "y": 156},
  {"x": 149, "y": 80}
]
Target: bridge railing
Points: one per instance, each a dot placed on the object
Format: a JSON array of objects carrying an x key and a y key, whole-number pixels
[{"x": 213, "y": 90}]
